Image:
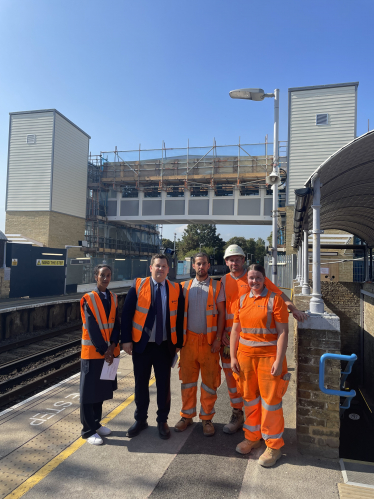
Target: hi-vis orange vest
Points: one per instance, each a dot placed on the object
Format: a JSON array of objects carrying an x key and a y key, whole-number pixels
[
  {"x": 211, "y": 309},
  {"x": 105, "y": 325},
  {"x": 234, "y": 289},
  {"x": 143, "y": 292}
]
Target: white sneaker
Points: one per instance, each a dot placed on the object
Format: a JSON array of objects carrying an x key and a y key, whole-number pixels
[
  {"x": 95, "y": 439},
  {"x": 103, "y": 431}
]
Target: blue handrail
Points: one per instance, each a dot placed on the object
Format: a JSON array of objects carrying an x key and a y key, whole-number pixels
[{"x": 340, "y": 393}]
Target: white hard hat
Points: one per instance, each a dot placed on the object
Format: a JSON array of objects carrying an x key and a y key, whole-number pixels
[{"x": 233, "y": 250}]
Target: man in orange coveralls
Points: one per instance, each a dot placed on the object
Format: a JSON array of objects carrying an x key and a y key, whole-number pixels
[
  {"x": 203, "y": 325},
  {"x": 233, "y": 285},
  {"x": 258, "y": 345}
]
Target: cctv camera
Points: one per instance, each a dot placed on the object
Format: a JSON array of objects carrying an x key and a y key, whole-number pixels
[{"x": 273, "y": 178}]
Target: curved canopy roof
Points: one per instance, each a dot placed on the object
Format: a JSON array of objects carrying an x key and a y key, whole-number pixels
[{"x": 347, "y": 189}]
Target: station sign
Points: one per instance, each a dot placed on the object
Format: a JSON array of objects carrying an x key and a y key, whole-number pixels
[
  {"x": 77, "y": 261},
  {"x": 49, "y": 263}
]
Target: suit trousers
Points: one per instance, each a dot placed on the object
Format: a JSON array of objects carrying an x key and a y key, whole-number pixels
[
  {"x": 90, "y": 418},
  {"x": 158, "y": 357}
]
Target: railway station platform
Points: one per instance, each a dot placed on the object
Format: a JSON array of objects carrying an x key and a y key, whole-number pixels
[{"x": 42, "y": 455}]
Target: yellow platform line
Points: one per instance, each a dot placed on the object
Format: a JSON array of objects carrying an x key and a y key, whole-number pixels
[{"x": 60, "y": 458}]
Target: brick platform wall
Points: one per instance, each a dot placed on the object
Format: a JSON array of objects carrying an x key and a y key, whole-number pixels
[
  {"x": 343, "y": 300},
  {"x": 4, "y": 285}
]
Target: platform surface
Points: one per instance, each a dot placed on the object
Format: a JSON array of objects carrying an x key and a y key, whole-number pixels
[{"x": 42, "y": 455}]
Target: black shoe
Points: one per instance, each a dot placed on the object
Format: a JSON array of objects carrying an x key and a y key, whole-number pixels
[
  {"x": 136, "y": 428},
  {"x": 163, "y": 430}
]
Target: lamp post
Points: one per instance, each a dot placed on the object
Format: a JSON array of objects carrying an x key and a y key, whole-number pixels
[{"x": 257, "y": 94}]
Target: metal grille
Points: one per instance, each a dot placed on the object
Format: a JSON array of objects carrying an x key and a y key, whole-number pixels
[
  {"x": 322, "y": 119},
  {"x": 286, "y": 269},
  {"x": 30, "y": 139}
]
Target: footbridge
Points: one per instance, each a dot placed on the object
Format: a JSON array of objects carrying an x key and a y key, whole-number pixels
[{"x": 217, "y": 184}]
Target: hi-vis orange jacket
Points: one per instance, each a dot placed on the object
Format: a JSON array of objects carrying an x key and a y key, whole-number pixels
[
  {"x": 234, "y": 289},
  {"x": 211, "y": 309},
  {"x": 257, "y": 316},
  {"x": 143, "y": 292},
  {"x": 105, "y": 325}
]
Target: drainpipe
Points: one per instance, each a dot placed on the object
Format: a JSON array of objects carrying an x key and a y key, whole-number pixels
[
  {"x": 305, "y": 289},
  {"x": 316, "y": 302}
]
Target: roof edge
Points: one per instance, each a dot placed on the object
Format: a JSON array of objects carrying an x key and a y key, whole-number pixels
[
  {"x": 332, "y": 85},
  {"x": 52, "y": 111}
]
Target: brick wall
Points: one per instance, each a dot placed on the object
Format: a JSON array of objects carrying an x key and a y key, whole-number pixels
[
  {"x": 54, "y": 230},
  {"x": 343, "y": 299},
  {"x": 317, "y": 414}
]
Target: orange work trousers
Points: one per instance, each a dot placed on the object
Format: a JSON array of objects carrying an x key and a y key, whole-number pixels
[
  {"x": 196, "y": 356},
  {"x": 262, "y": 395},
  {"x": 236, "y": 400}
]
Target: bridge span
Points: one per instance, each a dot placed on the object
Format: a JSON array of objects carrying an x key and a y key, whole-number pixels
[{"x": 218, "y": 184}]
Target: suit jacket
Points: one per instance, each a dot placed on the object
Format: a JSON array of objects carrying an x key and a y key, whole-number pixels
[{"x": 128, "y": 312}]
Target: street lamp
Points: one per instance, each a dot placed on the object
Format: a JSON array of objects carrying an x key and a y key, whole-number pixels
[{"x": 257, "y": 94}]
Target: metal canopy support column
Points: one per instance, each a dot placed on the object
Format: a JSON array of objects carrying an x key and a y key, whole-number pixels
[
  {"x": 298, "y": 277},
  {"x": 316, "y": 302},
  {"x": 305, "y": 289},
  {"x": 274, "y": 268}
]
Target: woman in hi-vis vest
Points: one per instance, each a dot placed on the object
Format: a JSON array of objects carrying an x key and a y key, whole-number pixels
[
  {"x": 258, "y": 345},
  {"x": 100, "y": 342}
]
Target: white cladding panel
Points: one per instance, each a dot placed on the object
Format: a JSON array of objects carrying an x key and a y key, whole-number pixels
[
  {"x": 29, "y": 165},
  {"x": 310, "y": 144},
  {"x": 70, "y": 157}
]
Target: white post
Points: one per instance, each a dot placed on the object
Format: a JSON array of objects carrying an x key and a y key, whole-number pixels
[
  {"x": 305, "y": 289},
  {"x": 274, "y": 267},
  {"x": 316, "y": 302},
  {"x": 298, "y": 277}
]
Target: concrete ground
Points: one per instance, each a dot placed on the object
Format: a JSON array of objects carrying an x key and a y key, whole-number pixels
[{"x": 189, "y": 465}]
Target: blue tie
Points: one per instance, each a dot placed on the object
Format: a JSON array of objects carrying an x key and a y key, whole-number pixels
[{"x": 159, "y": 321}]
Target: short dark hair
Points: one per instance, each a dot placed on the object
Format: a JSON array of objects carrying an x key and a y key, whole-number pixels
[
  {"x": 201, "y": 254},
  {"x": 161, "y": 256},
  {"x": 258, "y": 268},
  {"x": 100, "y": 266}
]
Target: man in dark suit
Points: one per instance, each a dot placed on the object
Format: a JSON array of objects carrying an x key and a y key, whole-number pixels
[{"x": 152, "y": 332}]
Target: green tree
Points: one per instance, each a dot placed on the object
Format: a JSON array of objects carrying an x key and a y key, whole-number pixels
[
  {"x": 167, "y": 243},
  {"x": 260, "y": 251},
  {"x": 200, "y": 235}
]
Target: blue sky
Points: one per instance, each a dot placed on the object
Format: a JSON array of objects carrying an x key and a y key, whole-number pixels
[{"x": 139, "y": 72}]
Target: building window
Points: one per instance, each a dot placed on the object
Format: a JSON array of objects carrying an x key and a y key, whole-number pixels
[
  {"x": 248, "y": 190},
  {"x": 30, "y": 139},
  {"x": 129, "y": 192},
  {"x": 175, "y": 192},
  {"x": 224, "y": 190},
  {"x": 152, "y": 193},
  {"x": 322, "y": 119}
]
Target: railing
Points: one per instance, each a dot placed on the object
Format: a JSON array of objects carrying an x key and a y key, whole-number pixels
[{"x": 351, "y": 359}]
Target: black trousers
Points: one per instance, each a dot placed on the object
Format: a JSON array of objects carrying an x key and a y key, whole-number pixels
[
  {"x": 159, "y": 357},
  {"x": 90, "y": 418}
]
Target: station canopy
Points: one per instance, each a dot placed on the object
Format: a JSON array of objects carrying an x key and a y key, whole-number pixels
[{"x": 347, "y": 188}]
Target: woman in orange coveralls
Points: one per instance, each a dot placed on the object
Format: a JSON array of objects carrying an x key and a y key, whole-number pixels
[{"x": 258, "y": 345}]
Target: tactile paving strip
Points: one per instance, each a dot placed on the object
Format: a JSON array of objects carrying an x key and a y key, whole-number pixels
[
  {"x": 23, "y": 462},
  {"x": 354, "y": 492}
]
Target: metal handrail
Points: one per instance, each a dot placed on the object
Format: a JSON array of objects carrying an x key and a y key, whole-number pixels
[{"x": 351, "y": 359}]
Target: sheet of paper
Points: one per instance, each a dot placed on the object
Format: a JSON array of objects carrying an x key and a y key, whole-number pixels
[{"x": 110, "y": 371}]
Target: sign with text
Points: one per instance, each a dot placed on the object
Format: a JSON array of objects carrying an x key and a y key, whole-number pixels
[{"x": 50, "y": 263}]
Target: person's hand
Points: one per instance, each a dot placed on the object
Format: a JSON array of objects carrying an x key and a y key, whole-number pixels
[
  {"x": 225, "y": 340},
  {"x": 216, "y": 345},
  {"x": 127, "y": 347},
  {"x": 276, "y": 368},
  {"x": 109, "y": 354},
  {"x": 299, "y": 315},
  {"x": 235, "y": 365}
]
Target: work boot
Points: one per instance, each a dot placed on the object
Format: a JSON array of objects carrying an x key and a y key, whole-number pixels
[
  {"x": 269, "y": 457},
  {"x": 236, "y": 422},
  {"x": 208, "y": 428},
  {"x": 183, "y": 424},
  {"x": 246, "y": 446}
]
